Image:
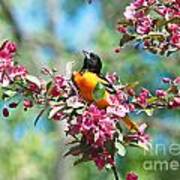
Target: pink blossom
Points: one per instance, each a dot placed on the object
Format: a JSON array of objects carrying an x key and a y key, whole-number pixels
[
  {"x": 143, "y": 97},
  {"x": 175, "y": 103},
  {"x": 175, "y": 34},
  {"x": 74, "y": 129},
  {"x": 118, "y": 111},
  {"x": 101, "y": 159},
  {"x": 119, "y": 98},
  {"x": 112, "y": 78},
  {"x": 144, "y": 25},
  {"x": 96, "y": 126},
  {"x": 175, "y": 40},
  {"x": 130, "y": 12},
  {"x": 161, "y": 93},
  {"x": 9, "y": 46},
  {"x": 140, "y": 137},
  {"x": 118, "y": 105},
  {"x": 173, "y": 28},
  {"x": 166, "y": 12},
  {"x": 60, "y": 81},
  {"x": 131, "y": 92},
  {"x": 139, "y": 3},
  {"x": 7, "y": 50},
  {"x": 131, "y": 176},
  {"x": 139, "y": 18},
  {"x": 97, "y": 129},
  {"x": 100, "y": 162},
  {"x": 177, "y": 80},
  {"x": 33, "y": 87},
  {"x": 27, "y": 103},
  {"x": 9, "y": 71},
  {"x": 59, "y": 86},
  {"x": 58, "y": 116},
  {"x": 150, "y": 2}
]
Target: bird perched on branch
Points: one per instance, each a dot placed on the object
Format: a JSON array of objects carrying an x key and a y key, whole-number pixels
[{"x": 89, "y": 80}]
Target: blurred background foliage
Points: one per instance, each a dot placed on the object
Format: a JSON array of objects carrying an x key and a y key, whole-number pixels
[{"x": 50, "y": 33}]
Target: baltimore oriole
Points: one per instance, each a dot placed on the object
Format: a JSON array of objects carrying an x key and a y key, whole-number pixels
[
  {"x": 87, "y": 79},
  {"x": 89, "y": 76}
]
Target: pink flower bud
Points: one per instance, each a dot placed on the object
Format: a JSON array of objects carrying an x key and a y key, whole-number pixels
[
  {"x": 58, "y": 116},
  {"x": 117, "y": 50},
  {"x": 33, "y": 87},
  {"x": 131, "y": 107},
  {"x": 145, "y": 92},
  {"x": 131, "y": 92},
  {"x": 5, "y": 112},
  {"x": 13, "y": 105},
  {"x": 177, "y": 80},
  {"x": 10, "y": 46},
  {"x": 121, "y": 29},
  {"x": 175, "y": 40},
  {"x": 27, "y": 103},
  {"x": 161, "y": 93},
  {"x": 175, "y": 103},
  {"x": 131, "y": 176},
  {"x": 166, "y": 80},
  {"x": 150, "y": 2}
]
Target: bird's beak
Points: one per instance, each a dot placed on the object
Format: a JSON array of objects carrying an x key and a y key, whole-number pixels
[{"x": 86, "y": 54}]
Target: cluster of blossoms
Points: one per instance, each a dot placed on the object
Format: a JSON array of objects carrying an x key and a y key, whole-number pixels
[
  {"x": 98, "y": 134},
  {"x": 8, "y": 70},
  {"x": 153, "y": 24}
]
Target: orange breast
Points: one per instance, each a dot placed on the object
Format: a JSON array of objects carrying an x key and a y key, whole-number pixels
[{"x": 86, "y": 83}]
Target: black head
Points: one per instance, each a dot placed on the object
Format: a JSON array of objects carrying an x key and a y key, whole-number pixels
[{"x": 92, "y": 62}]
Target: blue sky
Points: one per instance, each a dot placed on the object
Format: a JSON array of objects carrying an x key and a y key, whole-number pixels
[{"x": 73, "y": 31}]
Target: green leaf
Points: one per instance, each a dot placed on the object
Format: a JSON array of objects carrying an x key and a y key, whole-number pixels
[
  {"x": 125, "y": 22},
  {"x": 81, "y": 160},
  {"x": 143, "y": 146},
  {"x": 118, "y": 126},
  {"x": 99, "y": 92},
  {"x": 121, "y": 150},
  {"x": 9, "y": 93},
  {"x": 163, "y": 22},
  {"x": 149, "y": 112},
  {"x": 125, "y": 39},
  {"x": 152, "y": 100},
  {"x": 120, "y": 136},
  {"x": 48, "y": 85},
  {"x": 1, "y": 93},
  {"x": 75, "y": 150},
  {"x": 110, "y": 147}
]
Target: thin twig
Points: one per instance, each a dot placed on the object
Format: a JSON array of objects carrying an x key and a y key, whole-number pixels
[
  {"x": 38, "y": 117},
  {"x": 115, "y": 173}
]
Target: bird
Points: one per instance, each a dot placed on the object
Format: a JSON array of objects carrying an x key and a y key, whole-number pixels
[{"x": 87, "y": 79}]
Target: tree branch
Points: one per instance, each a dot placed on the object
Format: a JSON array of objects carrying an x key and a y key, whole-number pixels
[
  {"x": 11, "y": 19},
  {"x": 115, "y": 173}
]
